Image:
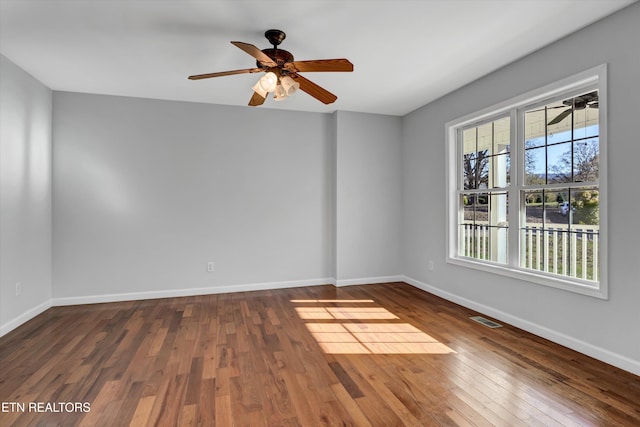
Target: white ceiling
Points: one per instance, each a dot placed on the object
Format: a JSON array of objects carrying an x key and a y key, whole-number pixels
[{"x": 406, "y": 53}]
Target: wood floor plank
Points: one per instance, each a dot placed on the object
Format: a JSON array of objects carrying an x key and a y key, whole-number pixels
[
  {"x": 374, "y": 355},
  {"x": 224, "y": 416}
]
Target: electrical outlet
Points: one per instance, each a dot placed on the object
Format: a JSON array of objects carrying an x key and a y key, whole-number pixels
[
  {"x": 430, "y": 265},
  {"x": 18, "y": 288},
  {"x": 211, "y": 267}
]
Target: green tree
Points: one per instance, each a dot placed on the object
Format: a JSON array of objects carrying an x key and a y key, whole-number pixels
[{"x": 587, "y": 204}]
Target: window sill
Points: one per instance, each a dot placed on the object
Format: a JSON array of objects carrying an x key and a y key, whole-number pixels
[{"x": 597, "y": 290}]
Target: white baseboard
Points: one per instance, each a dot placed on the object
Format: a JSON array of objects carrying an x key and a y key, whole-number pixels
[
  {"x": 368, "y": 280},
  {"x": 24, "y": 317},
  {"x": 133, "y": 296},
  {"x": 596, "y": 352},
  {"x": 171, "y": 293}
]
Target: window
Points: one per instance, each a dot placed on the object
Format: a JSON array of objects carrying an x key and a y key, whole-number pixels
[
  {"x": 483, "y": 231},
  {"x": 526, "y": 191}
]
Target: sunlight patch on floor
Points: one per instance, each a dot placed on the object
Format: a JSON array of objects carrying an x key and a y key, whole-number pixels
[
  {"x": 344, "y": 313},
  {"x": 344, "y": 335},
  {"x": 374, "y": 338}
]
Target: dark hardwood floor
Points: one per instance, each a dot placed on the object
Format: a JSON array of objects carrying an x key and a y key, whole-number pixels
[{"x": 376, "y": 355}]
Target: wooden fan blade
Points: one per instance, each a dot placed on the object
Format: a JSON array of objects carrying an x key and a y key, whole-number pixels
[
  {"x": 319, "y": 65},
  {"x": 225, "y": 73},
  {"x": 256, "y": 53},
  {"x": 256, "y": 99},
  {"x": 560, "y": 117},
  {"x": 314, "y": 90}
]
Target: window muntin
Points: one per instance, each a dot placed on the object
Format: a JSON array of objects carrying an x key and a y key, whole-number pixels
[{"x": 554, "y": 191}]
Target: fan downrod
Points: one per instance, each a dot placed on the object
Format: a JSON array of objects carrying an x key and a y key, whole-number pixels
[{"x": 275, "y": 37}]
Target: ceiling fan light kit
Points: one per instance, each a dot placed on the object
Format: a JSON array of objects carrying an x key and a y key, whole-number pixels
[
  {"x": 290, "y": 86},
  {"x": 269, "y": 81},
  {"x": 279, "y": 94},
  {"x": 258, "y": 89},
  {"x": 281, "y": 72}
]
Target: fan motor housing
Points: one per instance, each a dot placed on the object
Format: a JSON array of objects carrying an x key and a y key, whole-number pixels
[{"x": 279, "y": 56}]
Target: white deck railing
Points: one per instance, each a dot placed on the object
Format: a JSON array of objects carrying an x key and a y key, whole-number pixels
[{"x": 555, "y": 249}]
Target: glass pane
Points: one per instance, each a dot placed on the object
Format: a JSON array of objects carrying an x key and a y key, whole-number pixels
[
  {"x": 586, "y": 156},
  {"x": 484, "y": 232},
  {"x": 499, "y": 166},
  {"x": 585, "y": 206},
  {"x": 559, "y": 115},
  {"x": 500, "y": 245},
  {"x": 475, "y": 168},
  {"x": 559, "y": 163},
  {"x": 485, "y": 139},
  {"x": 497, "y": 214},
  {"x": 535, "y": 166},
  {"x": 469, "y": 141},
  {"x": 584, "y": 232},
  {"x": 557, "y": 136},
  {"x": 501, "y": 135},
  {"x": 557, "y": 208},
  {"x": 534, "y": 128},
  {"x": 533, "y": 208},
  {"x": 585, "y": 116},
  {"x": 534, "y": 142},
  {"x": 482, "y": 169},
  {"x": 466, "y": 243},
  {"x": 531, "y": 235},
  {"x": 469, "y": 171},
  {"x": 468, "y": 208},
  {"x": 482, "y": 208}
]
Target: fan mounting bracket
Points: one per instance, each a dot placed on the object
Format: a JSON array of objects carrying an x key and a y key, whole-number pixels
[{"x": 275, "y": 37}]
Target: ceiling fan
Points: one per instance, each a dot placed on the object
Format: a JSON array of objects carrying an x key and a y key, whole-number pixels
[
  {"x": 588, "y": 100},
  {"x": 281, "y": 71}
]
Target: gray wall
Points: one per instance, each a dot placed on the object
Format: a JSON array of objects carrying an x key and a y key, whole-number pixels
[
  {"x": 368, "y": 197},
  {"x": 25, "y": 196},
  {"x": 606, "y": 329},
  {"x": 147, "y": 192}
]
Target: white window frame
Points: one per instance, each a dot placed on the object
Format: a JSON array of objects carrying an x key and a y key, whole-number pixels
[{"x": 594, "y": 78}]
